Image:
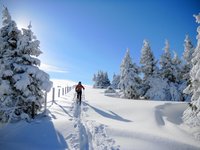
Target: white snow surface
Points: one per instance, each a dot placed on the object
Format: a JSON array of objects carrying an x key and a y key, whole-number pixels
[{"x": 101, "y": 123}]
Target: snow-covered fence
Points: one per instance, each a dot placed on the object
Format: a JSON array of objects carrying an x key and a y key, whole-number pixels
[{"x": 58, "y": 91}]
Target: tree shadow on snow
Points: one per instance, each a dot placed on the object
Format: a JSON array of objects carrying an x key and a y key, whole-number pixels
[
  {"x": 110, "y": 115},
  {"x": 172, "y": 112},
  {"x": 38, "y": 135},
  {"x": 64, "y": 110}
]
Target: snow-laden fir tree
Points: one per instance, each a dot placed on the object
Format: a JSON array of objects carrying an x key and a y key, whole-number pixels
[
  {"x": 187, "y": 56},
  {"x": 147, "y": 60},
  {"x": 106, "y": 81},
  {"x": 130, "y": 82},
  {"x": 188, "y": 49},
  {"x": 166, "y": 70},
  {"x": 191, "y": 116},
  {"x": 21, "y": 81},
  {"x": 176, "y": 87},
  {"x": 154, "y": 87},
  {"x": 170, "y": 74},
  {"x": 149, "y": 68},
  {"x": 177, "y": 68},
  {"x": 115, "y": 81},
  {"x": 101, "y": 80}
]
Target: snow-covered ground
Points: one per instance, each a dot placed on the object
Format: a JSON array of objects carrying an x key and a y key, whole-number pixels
[{"x": 101, "y": 123}]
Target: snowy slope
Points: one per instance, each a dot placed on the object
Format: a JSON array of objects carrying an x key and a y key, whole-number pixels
[
  {"x": 141, "y": 124},
  {"x": 102, "y": 122}
]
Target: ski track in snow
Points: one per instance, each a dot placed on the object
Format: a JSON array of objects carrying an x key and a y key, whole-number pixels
[{"x": 90, "y": 134}]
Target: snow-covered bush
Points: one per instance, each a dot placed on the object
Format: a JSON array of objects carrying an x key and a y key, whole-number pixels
[
  {"x": 159, "y": 89},
  {"x": 22, "y": 83},
  {"x": 110, "y": 89}
]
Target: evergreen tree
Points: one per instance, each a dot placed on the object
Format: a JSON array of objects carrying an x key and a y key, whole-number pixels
[
  {"x": 177, "y": 68},
  {"x": 149, "y": 68},
  {"x": 166, "y": 64},
  {"x": 101, "y": 80},
  {"x": 191, "y": 116},
  {"x": 21, "y": 81},
  {"x": 115, "y": 81},
  {"x": 177, "y": 86},
  {"x": 129, "y": 78},
  {"x": 188, "y": 50},
  {"x": 106, "y": 81},
  {"x": 171, "y": 72},
  {"x": 94, "y": 80},
  {"x": 147, "y": 60},
  {"x": 187, "y": 55}
]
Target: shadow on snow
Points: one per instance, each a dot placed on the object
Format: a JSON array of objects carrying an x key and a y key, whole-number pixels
[
  {"x": 35, "y": 135},
  {"x": 110, "y": 115}
]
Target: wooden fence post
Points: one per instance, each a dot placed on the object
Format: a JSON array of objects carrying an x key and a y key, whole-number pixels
[
  {"x": 58, "y": 92},
  {"x": 62, "y": 91},
  {"x": 33, "y": 110},
  {"x": 53, "y": 95},
  {"x": 65, "y": 90},
  {"x": 45, "y": 103}
]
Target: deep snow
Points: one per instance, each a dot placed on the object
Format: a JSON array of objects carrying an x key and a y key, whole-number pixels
[{"x": 102, "y": 122}]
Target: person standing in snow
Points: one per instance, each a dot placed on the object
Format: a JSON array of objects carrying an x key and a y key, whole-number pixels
[{"x": 78, "y": 89}]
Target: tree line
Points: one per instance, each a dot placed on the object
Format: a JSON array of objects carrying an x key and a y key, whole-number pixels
[
  {"x": 169, "y": 78},
  {"x": 163, "y": 79}
]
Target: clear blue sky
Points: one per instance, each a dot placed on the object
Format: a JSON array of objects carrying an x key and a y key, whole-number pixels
[{"x": 78, "y": 38}]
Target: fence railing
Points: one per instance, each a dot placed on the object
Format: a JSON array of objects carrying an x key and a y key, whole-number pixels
[{"x": 56, "y": 92}]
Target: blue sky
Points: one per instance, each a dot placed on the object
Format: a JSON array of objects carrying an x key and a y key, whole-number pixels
[{"x": 78, "y": 38}]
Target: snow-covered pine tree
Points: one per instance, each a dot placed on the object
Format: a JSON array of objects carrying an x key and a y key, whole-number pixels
[
  {"x": 22, "y": 83},
  {"x": 188, "y": 49},
  {"x": 129, "y": 78},
  {"x": 94, "y": 79},
  {"x": 177, "y": 68},
  {"x": 169, "y": 73},
  {"x": 166, "y": 70},
  {"x": 147, "y": 60},
  {"x": 187, "y": 55},
  {"x": 115, "y": 81},
  {"x": 97, "y": 79},
  {"x": 101, "y": 80},
  {"x": 106, "y": 81},
  {"x": 191, "y": 115},
  {"x": 176, "y": 87},
  {"x": 149, "y": 68}
]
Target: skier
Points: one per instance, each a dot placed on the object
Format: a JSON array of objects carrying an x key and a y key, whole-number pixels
[{"x": 78, "y": 89}]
